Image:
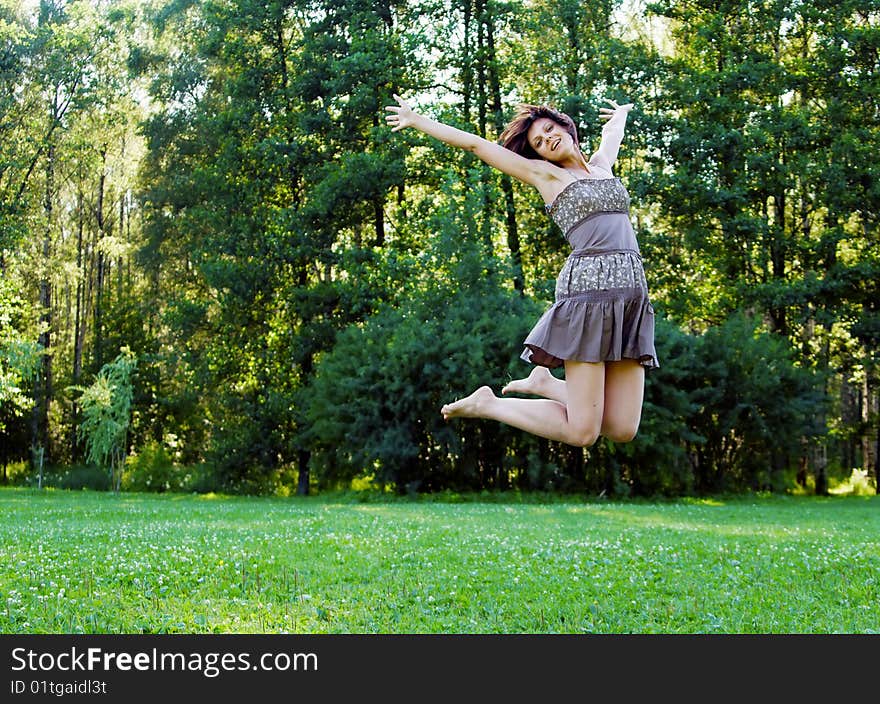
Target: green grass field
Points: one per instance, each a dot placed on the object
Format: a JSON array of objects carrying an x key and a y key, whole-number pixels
[{"x": 85, "y": 562}]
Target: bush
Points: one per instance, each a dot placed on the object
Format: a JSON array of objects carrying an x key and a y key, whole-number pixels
[
  {"x": 657, "y": 462},
  {"x": 373, "y": 406},
  {"x": 84, "y": 477},
  {"x": 756, "y": 408},
  {"x": 726, "y": 411},
  {"x": 152, "y": 469},
  {"x": 106, "y": 414},
  {"x": 75, "y": 477}
]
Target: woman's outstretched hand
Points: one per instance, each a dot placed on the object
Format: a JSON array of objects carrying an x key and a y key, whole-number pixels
[
  {"x": 608, "y": 113},
  {"x": 401, "y": 115}
]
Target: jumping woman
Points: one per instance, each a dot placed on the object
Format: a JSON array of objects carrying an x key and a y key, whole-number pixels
[{"x": 601, "y": 327}]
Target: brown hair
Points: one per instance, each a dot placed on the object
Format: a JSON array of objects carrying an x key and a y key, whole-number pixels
[{"x": 516, "y": 135}]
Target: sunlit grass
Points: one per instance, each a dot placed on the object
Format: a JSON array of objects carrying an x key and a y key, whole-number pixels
[{"x": 81, "y": 562}]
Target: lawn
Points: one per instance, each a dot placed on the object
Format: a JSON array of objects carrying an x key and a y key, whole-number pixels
[{"x": 87, "y": 562}]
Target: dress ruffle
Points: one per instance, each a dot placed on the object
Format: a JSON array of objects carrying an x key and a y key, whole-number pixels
[{"x": 594, "y": 326}]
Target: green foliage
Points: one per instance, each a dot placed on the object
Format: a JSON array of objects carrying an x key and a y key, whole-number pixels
[
  {"x": 77, "y": 477},
  {"x": 19, "y": 360},
  {"x": 279, "y": 177},
  {"x": 151, "y": 468},
  {"x": 749, "y": 436},
  {"x": 247, "y": 449},
  {"x": 711, "y": 421},
  {"x": 760, "y": 172},
  {"x": 712, "y": 418},
  {"x": 106, "y": 408},
  {"x": 374, "y": 405},
  {"x": 658, "y": 461},
  {"x": 271, "y": 210}
]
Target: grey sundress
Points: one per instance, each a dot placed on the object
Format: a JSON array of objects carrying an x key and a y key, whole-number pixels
[{"x": 602, "y": 311}]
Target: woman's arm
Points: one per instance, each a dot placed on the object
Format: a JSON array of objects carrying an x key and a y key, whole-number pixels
[
  {"x": 612, "y": 135},
  {"x": 534, "y": 172}
]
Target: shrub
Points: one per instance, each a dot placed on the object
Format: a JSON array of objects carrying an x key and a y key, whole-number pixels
[
  {"x": 106, "y": 410},
  {"x": 373, "y": 406},
  {"x": 657, "y": 461},
  {"x": 756, "y": 407},
  {"x": 75, "y": 477},
  {"x": 152, "y": 469}
]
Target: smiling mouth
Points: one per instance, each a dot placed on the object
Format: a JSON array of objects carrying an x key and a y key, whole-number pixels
[{"x": 555, "y": 144}]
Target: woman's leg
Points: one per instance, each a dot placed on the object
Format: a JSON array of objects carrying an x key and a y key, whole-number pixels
[
  {"x": 624, "y": 393},
  {"x": 539, "y": 383},
  {"x": 576, "y": 422}
]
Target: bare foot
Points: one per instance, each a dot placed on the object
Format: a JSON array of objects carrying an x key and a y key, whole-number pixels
[
  {"x": 535, "y": 384},
  {"x": 469, "y": 407}
]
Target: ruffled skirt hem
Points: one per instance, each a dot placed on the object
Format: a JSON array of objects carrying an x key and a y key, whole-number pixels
[{"x": 595, "y": 326}]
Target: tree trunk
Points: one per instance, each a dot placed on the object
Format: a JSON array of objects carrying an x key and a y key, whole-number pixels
[
  {"x": 123, "y": 234},
  {"x": 821, "y": 469},
  {"x": 467, "y": 72},
  {"x": 865, "y": 425},
  {"x": 778, "y": 314},
  {"x": 304, "y": 458},
  {"x": 43, "y": 383},
  {"x": 877, "y": 461},
  {"x": 482, "y": 113},
  {"x": 513, "y": 243},
  {"x": 78, "y": 330},
  {"x": 820, "y": 454},
  {"x": 100, "y": 268},
  {"x": 574, "y": 61},
  {"x": 480, "y": 11}
]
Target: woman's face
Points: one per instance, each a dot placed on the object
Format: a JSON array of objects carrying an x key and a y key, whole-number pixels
[{"x": 550, "y": 140}]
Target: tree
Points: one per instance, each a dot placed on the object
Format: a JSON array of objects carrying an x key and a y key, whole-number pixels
[
  {"x": 106, "y": 408},
  {"x": 64, "y": 99},
  {"x": 260, "y": 220},
  {"x": 19, "y": 362},
  {"x": 759, "y": 169},
  {"x": 271, "y": 193}
]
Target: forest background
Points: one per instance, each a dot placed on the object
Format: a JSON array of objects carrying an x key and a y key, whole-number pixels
[{"x": 222, "y": 272}]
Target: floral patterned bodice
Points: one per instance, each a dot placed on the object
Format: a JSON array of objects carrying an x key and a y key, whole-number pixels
[{"x": 582, "y": 198}]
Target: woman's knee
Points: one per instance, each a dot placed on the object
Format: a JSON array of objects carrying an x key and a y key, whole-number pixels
[
  {"x": 621, "y": 432},
  {"x": 583, "y": 436}
]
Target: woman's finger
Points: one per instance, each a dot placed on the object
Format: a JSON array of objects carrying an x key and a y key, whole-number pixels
[
  {"x": 399, "y": 115},
  {"x": 394, "y": 122}
]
